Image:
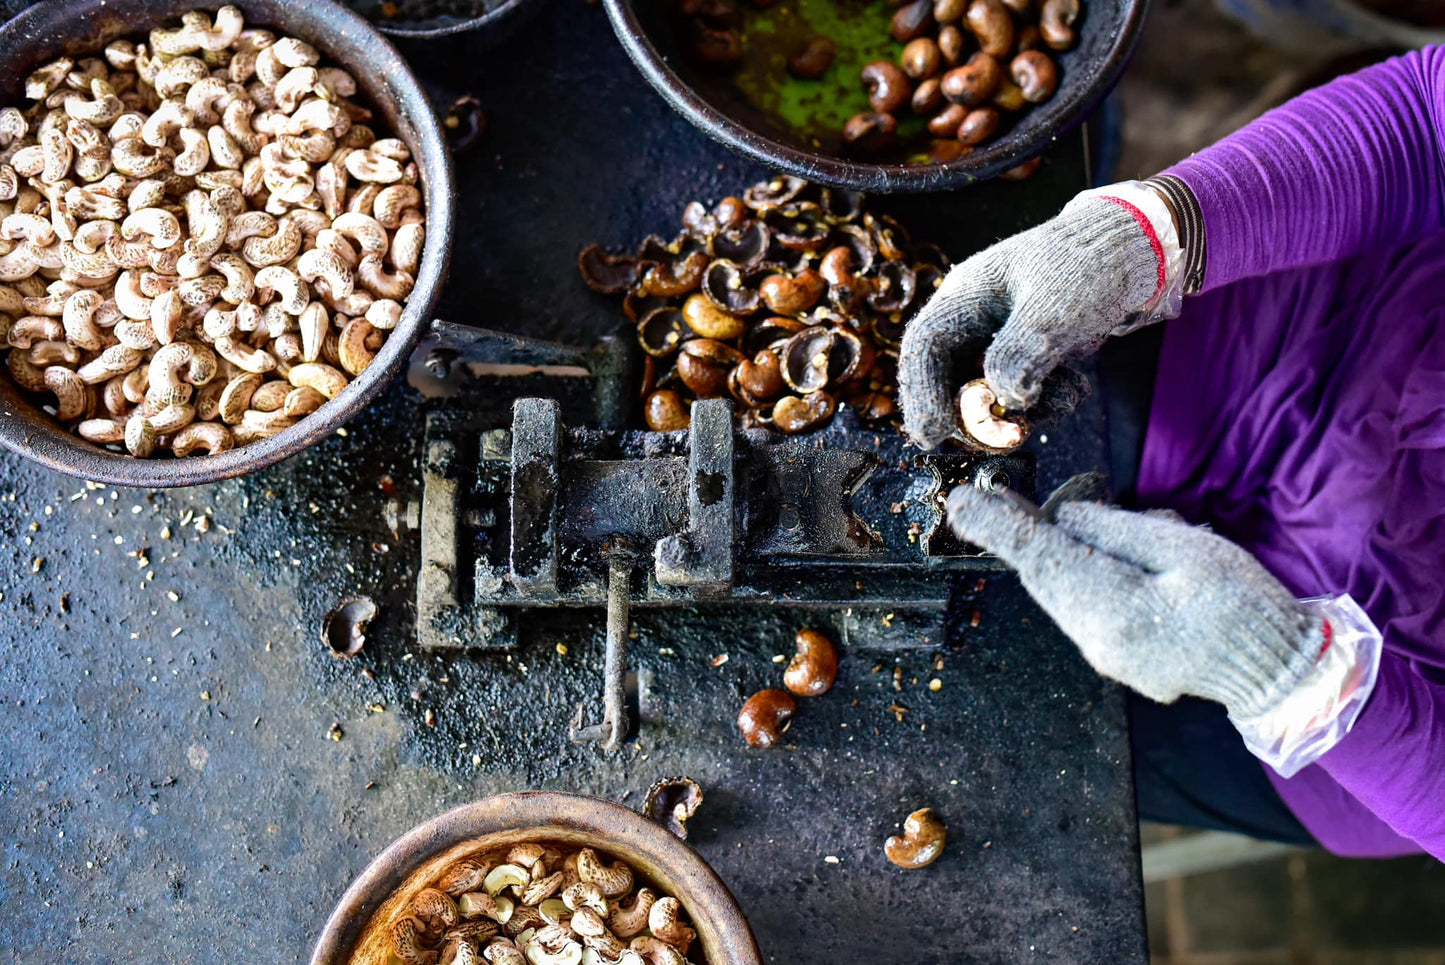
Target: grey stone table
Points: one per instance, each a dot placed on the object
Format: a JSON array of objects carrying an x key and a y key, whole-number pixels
[{"x": 187, "y": 774}]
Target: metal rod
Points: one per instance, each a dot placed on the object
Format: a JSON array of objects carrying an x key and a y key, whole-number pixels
[{"x": 614, "y": 673}]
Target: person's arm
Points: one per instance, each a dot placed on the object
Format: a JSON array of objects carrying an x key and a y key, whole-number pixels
[
  {"x": 1353, "y": 165},
  {"x": 1169, "y": 609},
  {"x": 1393, "y": 759}
]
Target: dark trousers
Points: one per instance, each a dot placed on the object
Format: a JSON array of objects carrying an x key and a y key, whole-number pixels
[{"x": 1190, "y": 765}]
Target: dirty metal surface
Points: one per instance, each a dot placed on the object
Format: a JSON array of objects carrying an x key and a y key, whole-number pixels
[{"x": 171, "y": 782}]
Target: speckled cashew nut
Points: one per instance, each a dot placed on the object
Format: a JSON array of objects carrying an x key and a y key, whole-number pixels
[
  {"x": 626, "y": 921},
  {"x": 657, "y": 952},
  {"x": 612, "y": 880}
]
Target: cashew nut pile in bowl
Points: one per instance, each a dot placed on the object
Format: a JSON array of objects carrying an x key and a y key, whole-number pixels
[
  {"x": 219, "y": 240},
  {"x": 543, "y": 878}
]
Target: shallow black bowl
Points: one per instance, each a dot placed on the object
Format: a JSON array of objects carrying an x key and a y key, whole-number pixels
[
  {"x": 385, "y": 83},
  {"x": 1107, "y": 34}
]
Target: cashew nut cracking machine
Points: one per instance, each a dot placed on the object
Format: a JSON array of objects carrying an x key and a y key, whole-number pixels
[{"x": 536, "y": 513}]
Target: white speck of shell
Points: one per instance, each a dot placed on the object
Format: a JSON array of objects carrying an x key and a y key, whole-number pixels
[{"x": 832, "y": 859}]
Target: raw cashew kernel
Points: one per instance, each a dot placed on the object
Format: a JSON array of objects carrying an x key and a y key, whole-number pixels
[
  {"x": 170, "y": 117},
  {"x": 116, "y": 360},
  {"x": 504, "y": 876},
  {"x": 663, "y": 922},
  {"x": 166, "y": 316},
  {"x": 160, "y": 225},
  {"x": 26, "y": 331},
  {"x": 294, "y": 294},
  {"x": 613, "y": 879},
  {"x": 270, "y": 396},
  {"x": 78, "y": 318},
  {"x": 243, "y": 356},
  {"x": 101, "y": 431},
  {"x": 302, "y": 401},
  {"x": 196, "y": 154},
  {"x": 381, "y": 283},
  {"x": 367, "y": 165},
  {"x": 72, "y": 395},
  {"x": 236, "y": 397},
  {"x": 210, "y": 436},
  {"x": 363, "y": 229},
  {"x": 140, "y": 436},
  {"x": 406, "y": 247},
  {"x": 657, "y": 952},
  {"x": 326, "y": 265}
]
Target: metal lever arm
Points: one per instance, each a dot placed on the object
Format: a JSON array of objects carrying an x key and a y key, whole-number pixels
[{"x": 613, "y": 728}]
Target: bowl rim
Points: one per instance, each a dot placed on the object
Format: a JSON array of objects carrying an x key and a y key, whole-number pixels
[
  {"x": 62, "y": 451},
  {"x": 524, "y": 810},
  {"x": 862, "y": 175},
  {"x": 492, "y": 16}
]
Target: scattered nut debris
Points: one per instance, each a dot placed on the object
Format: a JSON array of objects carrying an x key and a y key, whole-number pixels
[{"x": 335, "y": 732}]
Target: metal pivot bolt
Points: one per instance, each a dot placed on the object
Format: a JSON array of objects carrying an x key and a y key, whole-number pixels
[{"x": 613, "y": 728}]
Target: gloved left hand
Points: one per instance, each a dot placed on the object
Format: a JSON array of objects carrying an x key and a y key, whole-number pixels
[{"x": 1152, "y": 602}]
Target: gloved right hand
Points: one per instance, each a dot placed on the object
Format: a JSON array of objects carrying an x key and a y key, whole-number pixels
[
  {"x": 1157, "y": 604},
  {"x": 1043, "y": 297}
]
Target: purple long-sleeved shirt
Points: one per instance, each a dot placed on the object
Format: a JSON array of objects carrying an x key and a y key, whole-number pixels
[{"x": 1300, "y": 409}]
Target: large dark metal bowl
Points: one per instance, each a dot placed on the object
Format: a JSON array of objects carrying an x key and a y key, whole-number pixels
[
  {"x": 1107, "y": 34},
  {"x": 385, "y": 83},
  {"x": 357, "y": 931}
]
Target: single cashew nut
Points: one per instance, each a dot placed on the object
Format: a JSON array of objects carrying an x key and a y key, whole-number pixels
[
  {"x": 319, "y": 376},
  {"x": 71, "y": 394},
  {"x": 140, "y": 436},
  {"x": 102, "y": 431},
  {"x": 116, "y": 360},
  {"x": 381, "y": 283},
  {"x": 243, "y": 356},
  {"x": 612, "y": 880},
  {"x": 921, "y": 843},
  {"x": 294, "y": 293},
  {"x": 368, "y": 165},
  {"x": 657, "y": 952},
  {"x": 209, "y": 436},
  {"x": 336, "y": 274},
  {"x": 163, "y": 228}
]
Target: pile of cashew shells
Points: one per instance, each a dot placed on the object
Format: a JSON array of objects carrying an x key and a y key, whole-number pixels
[{"x": 201, "y": 240}]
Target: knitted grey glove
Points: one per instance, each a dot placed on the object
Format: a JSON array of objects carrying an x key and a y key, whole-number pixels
[
  {"x": 1044, "y": 297},
  {"x": 1161, "y": 606}
]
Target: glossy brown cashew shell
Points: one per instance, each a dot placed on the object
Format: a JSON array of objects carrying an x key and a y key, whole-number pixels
[
  {"x": 814, "y": 666},
  {"x": 763, "y": 715},
  {"x": 991, "y": 23},
  {"x": 887, "y": 86},
  {"x": 974, "y": 82},
  {"x": 1035, "y": 74}
]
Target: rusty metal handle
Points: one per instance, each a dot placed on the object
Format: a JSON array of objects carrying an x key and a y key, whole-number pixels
[{"x": 613, "y": 728}]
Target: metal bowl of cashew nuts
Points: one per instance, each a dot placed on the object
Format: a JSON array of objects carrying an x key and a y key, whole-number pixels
[
  {"x": 384, "y": 83},
  {"x": 358, "y": 931}
]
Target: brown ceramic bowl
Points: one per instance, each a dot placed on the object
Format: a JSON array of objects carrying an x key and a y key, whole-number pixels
[
  {"x": 357, "y": 932},
  {"x": 385, "y": 83},
  {"x": 709, "y": 99}
]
